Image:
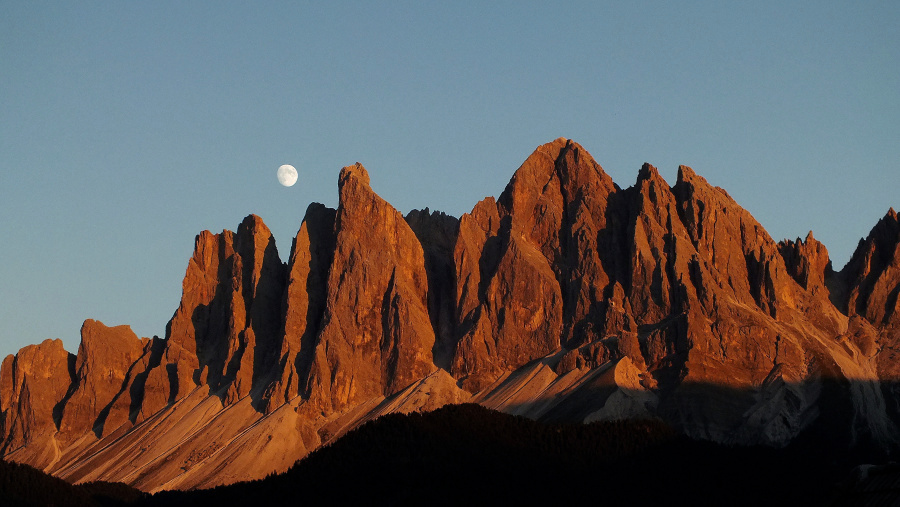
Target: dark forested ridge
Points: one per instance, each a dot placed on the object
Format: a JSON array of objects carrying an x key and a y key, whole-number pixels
[
  {"x": 467, "y": 454},
  {"x": 22, "y": 485}
]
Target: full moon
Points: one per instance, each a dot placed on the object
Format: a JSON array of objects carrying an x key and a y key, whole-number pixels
[{"x": 287, "y": 175}]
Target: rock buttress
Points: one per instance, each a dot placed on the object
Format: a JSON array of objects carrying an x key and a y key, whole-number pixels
[
  {"x": 376, "y": 337},
  {"x": 227, "y": 331}
]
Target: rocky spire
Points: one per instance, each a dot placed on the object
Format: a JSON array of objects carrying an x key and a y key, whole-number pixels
[{"x": 376, "y": 335}]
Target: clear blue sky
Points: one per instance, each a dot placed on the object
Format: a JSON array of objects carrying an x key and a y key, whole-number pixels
[{"x": 126, "y": 128}]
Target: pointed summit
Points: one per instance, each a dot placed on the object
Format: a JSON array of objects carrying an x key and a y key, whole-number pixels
[
  {"x": 355, "y": 171},
  {"x": 648, "y": 172},
  {"x": 376, "y": 335},
  {"x": 687, "y": 175},
  {"x": 873, "y": 272}
]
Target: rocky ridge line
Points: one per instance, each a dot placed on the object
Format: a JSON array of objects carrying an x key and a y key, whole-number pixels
[{"x": 567, "y": 298}]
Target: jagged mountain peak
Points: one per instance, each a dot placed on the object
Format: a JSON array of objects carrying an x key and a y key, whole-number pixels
[
  {"x": 567, "y": 298},
  {"x": 808, "y": 262},
  {"x": 355, "y": 171},
  {"x": 648, "y": 172},
  {"x": 554, "y": 171}
]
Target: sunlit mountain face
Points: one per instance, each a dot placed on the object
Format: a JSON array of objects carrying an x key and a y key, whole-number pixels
[{"x": 652, "y": 329}]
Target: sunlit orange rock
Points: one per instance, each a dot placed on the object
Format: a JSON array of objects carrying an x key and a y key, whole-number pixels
[
  {"x": 567, "y": 298},
  {"x": 376, "y": 336},
  {"x": 102, "y": 368},
  {"x": 33, "y": 383},
  {"x": 226, "y": 334},
  {"x": 530, "y": 267}
]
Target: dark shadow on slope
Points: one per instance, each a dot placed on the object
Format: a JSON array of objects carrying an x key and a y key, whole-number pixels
[
  {"x": 390, "y": 349},
  {"x": 320, "y": 221},
  {"x": 73, "y": 385},
  {"x": 437, "y": 232},
  {"x": 157, "y": 347},
  {"x": 832, "y": 422},
  {"x": 211, "y": 325},
  {"x": 489, "y": 262},
  {"x": 233, "y": 365},
  {"x": 100, "y": 421},
  {"x": 889, "y": 304},
  {"x": 466, "y": 454},
  {"x": 762, "y": 288},
  {"x": 565, "y": 259},
  {"x": 22, "y": 485},
  {"x": 172, "y": 373},
  {"x": 267, "y": 320},
  {"x": 615, "y": 255}
]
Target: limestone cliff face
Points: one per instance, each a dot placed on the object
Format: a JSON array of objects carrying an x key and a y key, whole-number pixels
[
  {"x": 304, "y": 301},
  {"x": 679, "y": 279},
  {"x": 870, "y": 285},
  {"x": 567, "y": 298},
  {"x": 226, "y": 334},
  {"x": 376, "y": 336},
  {"x": 807, "y": 262},
  {"x": 32, "y": 384},
  {"x": 99, "y": 400},
  {"x": 873, "y": 273},
  {"x": 437, "y": 232},
  {"x": 530, "y": 267}
]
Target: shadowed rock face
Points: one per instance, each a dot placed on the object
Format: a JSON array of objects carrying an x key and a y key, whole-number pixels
[
  {"x": 226, "y": 333},
  {"x": 99, "y": 398},
  {"x": 304, "y": 301},
  {"x": 873, "y": 273},
  {"x": 870, "y": 284},
  {"x": 437, "y": 232},
  {"x": 568, "y": 298}
]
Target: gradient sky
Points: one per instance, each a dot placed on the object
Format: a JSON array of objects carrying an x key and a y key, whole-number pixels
[{"x": 126, "y": 128}]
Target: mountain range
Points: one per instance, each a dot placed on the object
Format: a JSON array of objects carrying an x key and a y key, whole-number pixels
[{"x": 567, "y": 299}]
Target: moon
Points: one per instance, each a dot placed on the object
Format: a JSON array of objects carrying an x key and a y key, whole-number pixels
[{"x": 287, "y": 175}]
